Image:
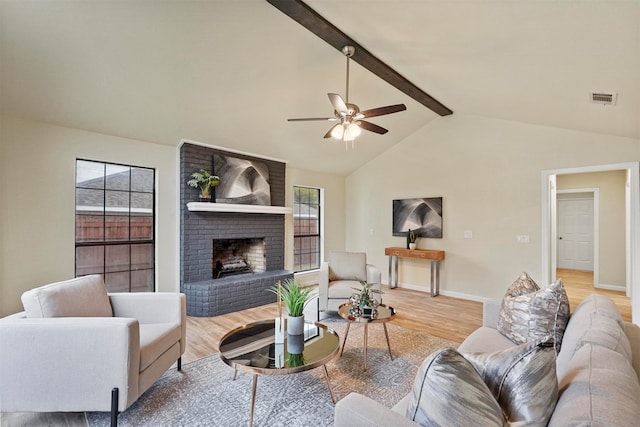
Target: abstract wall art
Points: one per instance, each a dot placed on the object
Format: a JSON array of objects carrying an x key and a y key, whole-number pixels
[
  {"x": 242, "y": 181},
  {"x": 424, "y": 216}
]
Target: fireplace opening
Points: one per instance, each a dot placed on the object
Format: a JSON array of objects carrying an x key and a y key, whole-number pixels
[{"x": 238, "y": 256}]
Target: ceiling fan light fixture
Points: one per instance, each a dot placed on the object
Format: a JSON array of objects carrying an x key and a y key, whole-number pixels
[
  {"x": 352, "y": 131},
  {"x": 337, "y": 132}
]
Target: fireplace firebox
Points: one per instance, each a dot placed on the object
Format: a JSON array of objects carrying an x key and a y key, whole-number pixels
[{"x": 238, "y": 256}]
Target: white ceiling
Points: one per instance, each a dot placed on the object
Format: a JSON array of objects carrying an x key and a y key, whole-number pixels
[{"x": 230, "y": 72}]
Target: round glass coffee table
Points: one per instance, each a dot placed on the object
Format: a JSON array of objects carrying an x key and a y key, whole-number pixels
[
  {"x": 252, "y": 348},
  {"x": 384, "y": 314}
]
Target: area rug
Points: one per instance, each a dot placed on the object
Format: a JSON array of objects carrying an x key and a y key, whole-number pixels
[{"x": 205, "y": 394}]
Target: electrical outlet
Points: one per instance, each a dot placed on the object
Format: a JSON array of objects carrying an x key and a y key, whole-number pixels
[
  {"x": 522, "y": 238},
  {"x": 468, "y": 234},
  {"x": 371, "y": 231}
]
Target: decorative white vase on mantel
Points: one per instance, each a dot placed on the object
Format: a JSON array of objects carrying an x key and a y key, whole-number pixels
[
  {"x": 295, "y": 325},
  {"x": 412, "y": 246}
]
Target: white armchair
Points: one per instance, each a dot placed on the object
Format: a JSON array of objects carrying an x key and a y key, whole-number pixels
[
  {"x": 340, "y": 274},
  {"x": 76, "y": 348}
]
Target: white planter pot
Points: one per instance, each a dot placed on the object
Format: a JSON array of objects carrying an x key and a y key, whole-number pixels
[
  {"x": 295, "y": 344},
  {"x": 295, "y": 325},
  {"x": 412, "y": 246}
]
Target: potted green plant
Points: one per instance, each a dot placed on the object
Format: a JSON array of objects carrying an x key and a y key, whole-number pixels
[
  {"x": 412, "y": 237},
  {"x": 362, "y": 301},
  {"x": 204, "y": 181},
  {"x": 295, "y": 298}
]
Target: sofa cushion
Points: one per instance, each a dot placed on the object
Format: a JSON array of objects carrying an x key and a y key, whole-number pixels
[
  {"x": 155, "y": 339},
  {"x": 596, "y": 320},
  {"x": 485, "y": 339},
  {"x": 522, "y": 379},
  {"x": 348, "y": 266},
  {"x": 84, "y": 296},
  {"x": 534, "y": 315},
  {"x": 519, "y": 383},
  {"x": 599, "y": 389}
]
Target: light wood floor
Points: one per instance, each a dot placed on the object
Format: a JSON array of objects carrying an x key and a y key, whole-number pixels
[
  {"x": 444, "y": 317},
  {"x": 579, "y": 285}
]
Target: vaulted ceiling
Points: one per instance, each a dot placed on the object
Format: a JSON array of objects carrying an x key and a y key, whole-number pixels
[{"x": 230, "y": 72}]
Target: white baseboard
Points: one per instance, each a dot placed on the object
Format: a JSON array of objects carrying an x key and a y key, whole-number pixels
[
  {"x": 452, "y": 294},
  {"x": 611, "y": 287}
]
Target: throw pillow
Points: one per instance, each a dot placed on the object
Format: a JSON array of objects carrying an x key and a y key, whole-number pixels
[
  {"x": 447, "y": 387},
  {"x": 522, "y": 379},
  {"x": 84, "y": 296},
  {"x": 529, "y": 316},
  {"x": 486, "y": 389}
]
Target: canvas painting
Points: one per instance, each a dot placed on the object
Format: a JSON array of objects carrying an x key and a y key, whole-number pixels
[
  {"x": 242, "y": 181},
  {"x": 424, "y": 216}
]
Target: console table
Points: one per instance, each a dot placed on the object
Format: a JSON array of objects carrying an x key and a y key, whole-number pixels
[{"x": 426, "y": 254}]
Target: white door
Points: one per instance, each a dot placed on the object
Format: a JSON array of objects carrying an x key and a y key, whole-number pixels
[{"x": 575, "y": 234}]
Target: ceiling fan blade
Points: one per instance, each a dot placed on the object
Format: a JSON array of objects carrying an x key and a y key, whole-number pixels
[
  {"x": 381, "y": 111},
  {"x": 338, "y": 103},
  {"x": 371, "y": 127},
  {"x": 308, "y": 119},
  {"x": 328, "y": 134}
]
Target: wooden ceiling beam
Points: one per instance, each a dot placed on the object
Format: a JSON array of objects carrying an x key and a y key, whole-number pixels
[{"x": 318, "y": 25}]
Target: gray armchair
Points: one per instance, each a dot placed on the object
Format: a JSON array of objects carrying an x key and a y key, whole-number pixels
[
  {"x": 340, "y": 274},
  {"x": 76, "y": 348}
]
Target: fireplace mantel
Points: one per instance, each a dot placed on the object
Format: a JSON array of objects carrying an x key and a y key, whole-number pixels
[{"x": 229, "y": 207}]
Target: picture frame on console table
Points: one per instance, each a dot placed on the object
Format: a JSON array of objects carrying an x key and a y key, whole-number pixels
[{"x": 422, "y": 215}]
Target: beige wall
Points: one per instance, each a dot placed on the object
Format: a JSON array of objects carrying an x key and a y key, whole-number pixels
[
  {"x": 37, "y": 177},
  {"x": 612, "y": 251},
  {"x": 333, "y": 187},
  {"x": 489, "y": 173}
]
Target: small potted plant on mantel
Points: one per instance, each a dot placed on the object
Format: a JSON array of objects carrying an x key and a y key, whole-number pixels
[
  {"x": 412, "y": 236},
  {"x": 204, "y": 181}
]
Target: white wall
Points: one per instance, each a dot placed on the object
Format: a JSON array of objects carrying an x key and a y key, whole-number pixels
[
  {"x": 488, "y": 172},
  {"x": 37, "y": 200}
]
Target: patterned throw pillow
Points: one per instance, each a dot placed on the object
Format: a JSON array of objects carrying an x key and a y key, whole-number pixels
[
  {"x": 448, "y": 387},
  {"x": 522, "y": 379},
  {"x": 528, "y": 314},
  {"x": 486, "y": 389}
]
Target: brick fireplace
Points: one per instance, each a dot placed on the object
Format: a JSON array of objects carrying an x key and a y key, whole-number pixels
[{"x": 206, "y": 237}]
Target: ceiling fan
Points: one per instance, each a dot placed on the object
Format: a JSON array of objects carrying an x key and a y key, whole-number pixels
[{"x": 349, "y": 117}]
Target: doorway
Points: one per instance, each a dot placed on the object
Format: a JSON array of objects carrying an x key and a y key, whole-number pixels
[{"x": 549, "y": 236}]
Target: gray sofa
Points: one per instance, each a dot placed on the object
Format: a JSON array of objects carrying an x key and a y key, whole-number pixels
[
  {"x": 77, "y": 348},
  {"x": 597, "y": 368}
]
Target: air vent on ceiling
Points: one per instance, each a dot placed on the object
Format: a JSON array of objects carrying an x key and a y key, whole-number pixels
[{"x": 604, "y": 98}]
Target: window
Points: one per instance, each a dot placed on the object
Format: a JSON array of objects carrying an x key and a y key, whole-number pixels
[
  {"x": 115, "y": 234},
  {"x": 306, "y": 228}
]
